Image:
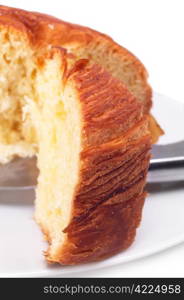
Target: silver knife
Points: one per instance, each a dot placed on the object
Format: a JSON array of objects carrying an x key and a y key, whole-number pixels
[{"x": 167, "y": 163}]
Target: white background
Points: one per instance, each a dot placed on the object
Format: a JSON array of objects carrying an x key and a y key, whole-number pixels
[{"x": 154, "y": 31}]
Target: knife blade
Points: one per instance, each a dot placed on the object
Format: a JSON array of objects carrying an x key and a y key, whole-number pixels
[{"x": 167, "y": 163}]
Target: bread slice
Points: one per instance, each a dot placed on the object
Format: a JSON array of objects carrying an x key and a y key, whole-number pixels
[{"x": 89, "y": 132}]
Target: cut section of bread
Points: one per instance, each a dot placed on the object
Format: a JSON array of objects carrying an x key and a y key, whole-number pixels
[{"x": 89, "y": 132}]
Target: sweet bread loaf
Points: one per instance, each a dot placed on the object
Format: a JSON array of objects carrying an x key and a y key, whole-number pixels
[{"x": 80, "y": 103}]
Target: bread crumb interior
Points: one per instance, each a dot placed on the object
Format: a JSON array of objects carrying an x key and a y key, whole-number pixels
[{"x": 40, "y": 116}]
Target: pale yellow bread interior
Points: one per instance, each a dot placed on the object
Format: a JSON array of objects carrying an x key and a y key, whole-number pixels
[{"x": 40, "y": 116}]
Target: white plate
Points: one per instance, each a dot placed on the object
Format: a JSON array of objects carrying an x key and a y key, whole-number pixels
[{"x": 162, "y": 225}]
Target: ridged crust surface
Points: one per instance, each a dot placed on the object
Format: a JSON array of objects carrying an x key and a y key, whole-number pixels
[{"x": 114, "y": 156}]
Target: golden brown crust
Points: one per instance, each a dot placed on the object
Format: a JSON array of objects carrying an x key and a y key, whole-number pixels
[
  {"x": 115, "y": 144},
  {"x": 108, "y": 229},
  {"x": 108, "y": 108}
]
